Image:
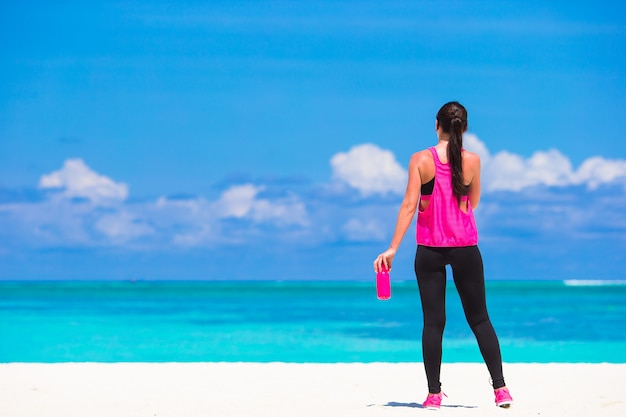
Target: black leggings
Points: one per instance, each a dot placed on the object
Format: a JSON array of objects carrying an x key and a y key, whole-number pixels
[{"x": 467, "y": 270}]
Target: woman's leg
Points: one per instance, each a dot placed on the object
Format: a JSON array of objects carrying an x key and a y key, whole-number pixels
[
  {"x": 467, "y": 269},
  {"x": 430, "y": 271}
]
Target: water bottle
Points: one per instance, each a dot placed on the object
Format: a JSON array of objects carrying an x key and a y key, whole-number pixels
[{"x": 383, "y": 283}]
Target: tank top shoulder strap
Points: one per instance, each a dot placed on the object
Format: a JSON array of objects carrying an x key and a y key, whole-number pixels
[{"x": 436, "y": 159}]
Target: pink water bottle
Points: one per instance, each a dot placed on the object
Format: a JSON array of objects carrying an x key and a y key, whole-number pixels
[{"x": 383, "y": 283}]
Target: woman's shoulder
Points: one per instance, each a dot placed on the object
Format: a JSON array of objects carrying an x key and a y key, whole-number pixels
[
  {"x": 471, "y": 161},
  {"x": 422, "y": 161},
  {"x": 423, "y": 155},
  {"x": 470, "y": 156}
]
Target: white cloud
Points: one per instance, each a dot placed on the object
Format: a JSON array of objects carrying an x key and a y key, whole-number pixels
[
  {"x": 363, "y": 230},
  {"x": 198, "y": 220},
  {"x": 283, "y": 211},
  {"x": 123, "y": 226},
  {"x": 238, "y": 200},
  {"x": 200, "y": 237},
  {"x": 506, "y": 171},
  {"x": 241, "y": 201},
  {"x": 89, "y": 209},
  {"x": 596, "y": 170},
  {"x": 76, "y": 179},
  {"x": 47, "y": 223},
  {"x": 370, "y": 170}
]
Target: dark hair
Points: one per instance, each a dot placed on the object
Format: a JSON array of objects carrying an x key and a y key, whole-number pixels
[{"x": 452, "y": 118}]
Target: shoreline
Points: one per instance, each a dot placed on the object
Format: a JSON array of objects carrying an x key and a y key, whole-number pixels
[{"x": 274, "y": 389}]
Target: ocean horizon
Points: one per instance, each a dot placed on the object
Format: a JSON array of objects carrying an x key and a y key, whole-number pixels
[{"x": 300, "y": 321}]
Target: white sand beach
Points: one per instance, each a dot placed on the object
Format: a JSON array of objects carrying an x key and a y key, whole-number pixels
[{"x": 299, "y": 390}]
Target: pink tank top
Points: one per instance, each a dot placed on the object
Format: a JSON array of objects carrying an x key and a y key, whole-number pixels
[{"x": 443, "y": 223}]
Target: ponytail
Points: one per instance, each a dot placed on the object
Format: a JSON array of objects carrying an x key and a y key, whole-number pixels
[
  {"x": 452, "y": 118},
  {"x": 455, "y": 146}
]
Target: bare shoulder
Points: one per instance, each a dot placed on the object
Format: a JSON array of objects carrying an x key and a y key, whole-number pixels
[
  {"x": 421, "y": 157},
  {"x": 422, "y": 163},
  {"x": 471, "y": 158}
]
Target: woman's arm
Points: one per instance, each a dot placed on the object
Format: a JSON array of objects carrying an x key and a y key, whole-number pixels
[{"x": 405, "y": 214}]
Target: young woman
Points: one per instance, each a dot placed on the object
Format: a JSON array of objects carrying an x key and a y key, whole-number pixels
[{"x": 444, "y": 185}]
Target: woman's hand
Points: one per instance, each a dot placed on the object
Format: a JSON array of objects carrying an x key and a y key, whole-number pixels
[{"x": 384, "y": 258}]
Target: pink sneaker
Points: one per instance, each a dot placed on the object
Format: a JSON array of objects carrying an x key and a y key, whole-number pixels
[
  {"x": 433, "y": 401},
  {"x": 503, "y": 398}
]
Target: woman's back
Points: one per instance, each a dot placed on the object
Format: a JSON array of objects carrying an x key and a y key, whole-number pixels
[{"x": 444, "y": 219}]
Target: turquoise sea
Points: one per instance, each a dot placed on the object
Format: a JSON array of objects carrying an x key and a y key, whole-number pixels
[{"x": 549, "y": 321}]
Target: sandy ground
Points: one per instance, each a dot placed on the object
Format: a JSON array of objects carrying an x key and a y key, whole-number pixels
[{"x": 299, "y": 390}]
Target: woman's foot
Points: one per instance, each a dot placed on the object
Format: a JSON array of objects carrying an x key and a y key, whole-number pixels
[
  {"x": 433, "y": 401},
  {"x": 503, "y": 397}
]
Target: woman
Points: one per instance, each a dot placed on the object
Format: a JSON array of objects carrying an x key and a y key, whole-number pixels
[{"x": 444, "y": 185}]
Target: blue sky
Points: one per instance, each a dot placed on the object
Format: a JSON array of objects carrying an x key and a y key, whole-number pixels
[{"x": 269, "y": 140}]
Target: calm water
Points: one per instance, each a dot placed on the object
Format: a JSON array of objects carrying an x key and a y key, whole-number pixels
[{"x": 299, "y": 322}]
